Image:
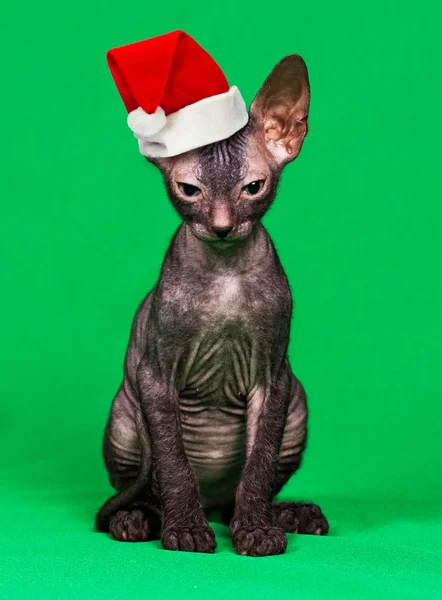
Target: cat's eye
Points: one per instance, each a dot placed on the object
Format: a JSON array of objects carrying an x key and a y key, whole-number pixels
[
  {"x": 254, "y": 187},
  {"x": 191, "y": 191}
]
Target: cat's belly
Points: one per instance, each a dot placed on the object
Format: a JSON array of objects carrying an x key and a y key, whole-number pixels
[
  {"x": 213, "y": 400},
  {"x": 215, "y": 444}
]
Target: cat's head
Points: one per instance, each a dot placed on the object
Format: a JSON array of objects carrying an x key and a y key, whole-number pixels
[{"x": 222, "y": 190}]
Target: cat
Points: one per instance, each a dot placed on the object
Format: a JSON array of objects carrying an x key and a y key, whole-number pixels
[{"x": 209, "y": 414}]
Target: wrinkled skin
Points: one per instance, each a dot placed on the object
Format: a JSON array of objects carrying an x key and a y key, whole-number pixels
[{"x": 209, "y": 414}]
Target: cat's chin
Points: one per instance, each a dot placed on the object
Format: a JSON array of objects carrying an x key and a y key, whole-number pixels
[{"x": 224, "y": 244}]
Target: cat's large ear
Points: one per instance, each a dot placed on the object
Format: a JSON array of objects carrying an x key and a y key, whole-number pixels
[{"x": 280, "y": 109}]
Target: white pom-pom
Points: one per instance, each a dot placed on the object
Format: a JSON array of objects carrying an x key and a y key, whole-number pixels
[{"x": 145, "y": 125}]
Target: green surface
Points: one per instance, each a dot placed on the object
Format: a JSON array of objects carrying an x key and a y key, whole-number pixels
[{"x": 85, "y": 223}]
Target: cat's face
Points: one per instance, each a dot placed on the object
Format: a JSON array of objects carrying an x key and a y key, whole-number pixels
[{"x": 222, "y": 190}]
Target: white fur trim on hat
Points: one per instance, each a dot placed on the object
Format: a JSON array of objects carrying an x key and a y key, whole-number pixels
[{"x": 209, "y": 120}]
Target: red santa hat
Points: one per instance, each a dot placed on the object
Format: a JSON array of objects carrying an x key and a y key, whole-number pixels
[{"x": 177, "y": 97}]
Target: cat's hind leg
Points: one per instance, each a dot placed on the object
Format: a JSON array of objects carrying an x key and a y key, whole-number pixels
[
  {"x": 296, "y": 517},
  {"x": 133, "y": 514}
]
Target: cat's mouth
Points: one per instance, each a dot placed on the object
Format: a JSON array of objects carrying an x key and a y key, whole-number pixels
[
  {"x": 221, "y": 244},
  {"x": 228, "y": 240}
]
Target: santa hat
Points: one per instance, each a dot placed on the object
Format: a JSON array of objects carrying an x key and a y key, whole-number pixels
[{"x": 177, "y": 97}]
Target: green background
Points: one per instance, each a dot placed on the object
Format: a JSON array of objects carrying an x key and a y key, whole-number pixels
[{"x": 85, "y": 223}]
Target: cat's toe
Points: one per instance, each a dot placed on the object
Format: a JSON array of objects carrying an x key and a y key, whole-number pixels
[
  {"x": 285, "y": 516},
  {"x": 189, "y": 539},
  {"x": 311, "y": 519},
  {"x": 259, "y": 541}
]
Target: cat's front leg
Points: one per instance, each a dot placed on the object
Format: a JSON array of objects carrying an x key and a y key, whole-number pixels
[
  {"x": 252, "y": 531},
  {"x": 185, "y": 526}
]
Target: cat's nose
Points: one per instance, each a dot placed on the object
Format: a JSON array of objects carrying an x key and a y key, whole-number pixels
[{"x": 222, "y": 232}]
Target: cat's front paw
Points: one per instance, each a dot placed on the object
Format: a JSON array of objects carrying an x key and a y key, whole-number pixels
[
  {"x": 259, "y": 541},
  {"x": 189, "y": 539}
]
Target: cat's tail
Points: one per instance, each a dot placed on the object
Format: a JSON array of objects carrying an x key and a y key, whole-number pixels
[{"x": 122, "y": 499}]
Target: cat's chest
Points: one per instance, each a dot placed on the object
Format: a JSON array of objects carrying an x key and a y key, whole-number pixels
[
  {"x": 224, "y": 298},
  {"x": 217, "y": 368},
  {"x": 219, "y": 363}
]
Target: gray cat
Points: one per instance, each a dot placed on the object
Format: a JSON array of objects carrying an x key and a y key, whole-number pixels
[{"x": 209, "y": 414}]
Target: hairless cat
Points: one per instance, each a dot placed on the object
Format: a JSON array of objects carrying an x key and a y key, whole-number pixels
[{"x": 209, "y": 414}]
